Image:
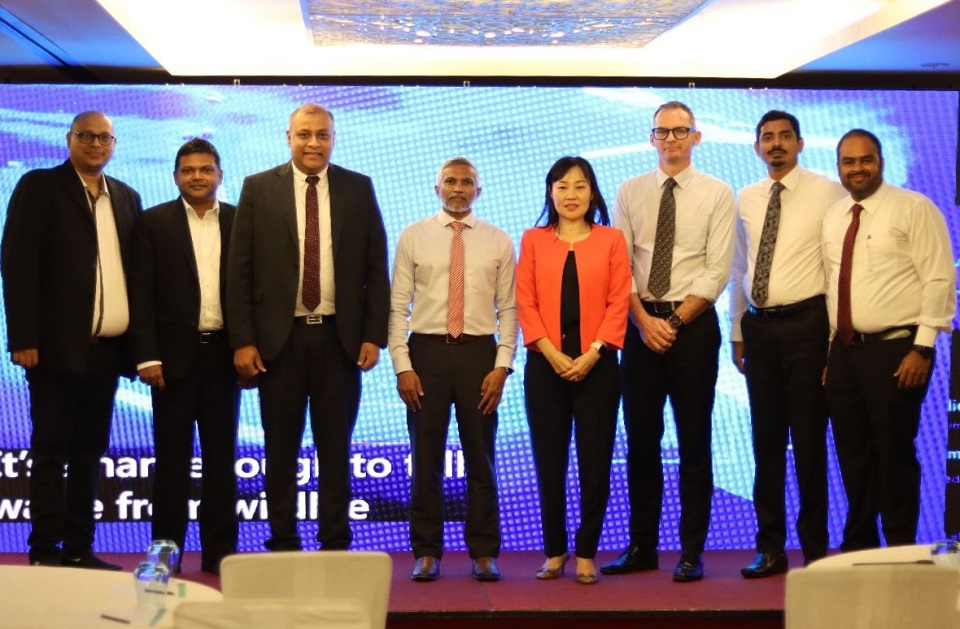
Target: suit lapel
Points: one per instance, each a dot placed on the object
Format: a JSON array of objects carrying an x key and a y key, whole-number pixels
[
  {"x": 286, "y": 202},
  {"x": 76, "y": 190},
  {"x": 181, "y": 230},
  {"x": 337, "y": 206},
  {"x": 226, "y": 227}
]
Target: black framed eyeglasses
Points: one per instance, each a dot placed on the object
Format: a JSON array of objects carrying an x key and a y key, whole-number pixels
[
  {"x": 86, "y": 137},
  {"x": 680, "y": 133}
]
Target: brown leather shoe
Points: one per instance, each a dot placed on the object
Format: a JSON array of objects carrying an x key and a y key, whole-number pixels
[
  {"x": 485, "y": 569},
  {"x": 427, "y": 569}
]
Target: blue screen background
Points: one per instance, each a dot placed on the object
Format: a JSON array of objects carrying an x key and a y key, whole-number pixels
[{"x": 399, "y": 136}]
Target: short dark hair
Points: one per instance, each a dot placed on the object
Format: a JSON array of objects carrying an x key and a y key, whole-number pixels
[
  {"x": 597, "y": 213},
  {"x": 196, "y": 145},
  {"x": 776, "y": 114},
  {"x": 860, "y": 133}
]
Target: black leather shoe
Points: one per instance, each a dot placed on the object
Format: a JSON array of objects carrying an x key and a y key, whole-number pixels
[
  {"x": 210, "y": 566},
  {"x": 485, "y": 569},
  {"x": 689, "y": 569},
  {"x": 45, "y": 558},
  {"x": 766, "y": 565},
  {"x": 88, "y": 560},
  {"x": 427, "y": 569},
  {"x": 632, "y": 560}
]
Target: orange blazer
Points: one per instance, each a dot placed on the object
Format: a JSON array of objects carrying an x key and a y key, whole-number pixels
[{"x": 603, "y": 271}]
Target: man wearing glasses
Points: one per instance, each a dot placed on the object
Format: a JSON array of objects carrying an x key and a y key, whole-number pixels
[
  {"x": 678, "y": 223},
  {"x": 65, "y": 244}
]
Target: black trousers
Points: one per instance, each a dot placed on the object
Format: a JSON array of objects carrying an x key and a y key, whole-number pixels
[
  {"x": 71, "y": 416},
  {"x": 208, "y": 396},
  {"x": 555, "y": 408},
  {"x": 874, "y": 427},
  {"x": 312, "y": 366},
  {"x": 687, "y": 374},
  {"x": 784, "y": 361},
  {"x": 452, "y": 374}
]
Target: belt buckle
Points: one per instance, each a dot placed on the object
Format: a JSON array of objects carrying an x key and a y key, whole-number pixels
[
  {"x": 313, "y": 319},
  {"x": 450, "y": 339},
  {"x": 208, "y": 337}
]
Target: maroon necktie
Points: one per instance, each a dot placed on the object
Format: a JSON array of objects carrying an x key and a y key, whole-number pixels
[
  {"x": 844, "y": 316},
  {"x": 311, "y": 248}
]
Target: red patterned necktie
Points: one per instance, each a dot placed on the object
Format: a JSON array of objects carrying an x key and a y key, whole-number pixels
[
  {"x": 455, "y": 291},
  {"x": 311, "y": 248},
  {"x": 844, "y": 315}
]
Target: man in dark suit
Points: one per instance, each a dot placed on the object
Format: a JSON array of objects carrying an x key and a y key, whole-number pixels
[
  {"x": 65, "y": 241},
  {"x": 180, "y": 343},
  {"x": 308, "y": 299}
]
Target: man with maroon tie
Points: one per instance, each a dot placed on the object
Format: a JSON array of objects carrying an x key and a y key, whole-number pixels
[{"x": 890, "y": 292}]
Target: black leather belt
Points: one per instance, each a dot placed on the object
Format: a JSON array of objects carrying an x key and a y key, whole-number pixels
[
  {"x": 104, "y": 340},
  {"x": 315, "y": 319},
  {"x": 790, "y": 310},
  {"x": 453, "y": 340},
  {"x": 660, "y": 308},
  {"x": 211, "y": 336},
  {"x": 890, "y": 334}
]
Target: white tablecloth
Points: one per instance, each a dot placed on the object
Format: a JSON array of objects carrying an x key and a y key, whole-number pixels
[{"x": 36, "y": 597}]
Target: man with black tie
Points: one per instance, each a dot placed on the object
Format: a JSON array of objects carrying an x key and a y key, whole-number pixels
[
  {"x": 891, "y": 289},
  {"x": 182, "y": 351},
  {"x": 65, "y": 244},
  {"x": 453, "y": 335},
  {"x": 779, "y": 331},
  {"x": 307, "y": 300},
  {"x": 678, "y": 223}
]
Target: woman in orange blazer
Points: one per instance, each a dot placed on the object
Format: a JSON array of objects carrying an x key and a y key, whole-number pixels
[{"x": 573, "y": 290}]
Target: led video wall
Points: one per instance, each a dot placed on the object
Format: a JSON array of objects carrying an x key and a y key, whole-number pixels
[{"x": 399, "y": 136}]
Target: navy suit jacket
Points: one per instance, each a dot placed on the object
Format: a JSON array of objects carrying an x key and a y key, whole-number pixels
[
  {"x": 264, "y": 264},
  {"x": 49, "y": 263},
  {"x": 165, "y": 287}
]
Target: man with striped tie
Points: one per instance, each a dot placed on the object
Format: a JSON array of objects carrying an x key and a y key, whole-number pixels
[{"x": 452, "y": 338}]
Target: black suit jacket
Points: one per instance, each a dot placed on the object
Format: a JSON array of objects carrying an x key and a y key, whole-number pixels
[
  {"x": 49, "y": 263},
  {"x": 165, "y": 286},
  {"x": 263, "y": 270}
]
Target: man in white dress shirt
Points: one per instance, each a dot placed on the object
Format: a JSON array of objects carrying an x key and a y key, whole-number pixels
[
  {"x": 891, "y": 286},
  {"x": 779, "y": 331},
  {"x": 452, "y": 338},
  {"x": 679, "y": 227}
]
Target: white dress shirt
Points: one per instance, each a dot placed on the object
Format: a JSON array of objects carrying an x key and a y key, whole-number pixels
[
  {"x": 116, "y": 310},
  {"x": 328, "y": 291},
  {"x": 421, "y": 275},
  {"x": 703, "y": 240},
  {"x": 205, "y": 234},
  {"x": 903, "y": 266},
  {"x": 797, "y": 269}
]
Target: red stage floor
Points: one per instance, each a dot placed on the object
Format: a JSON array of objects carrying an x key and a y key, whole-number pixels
[{"x": 648, "y": 599}]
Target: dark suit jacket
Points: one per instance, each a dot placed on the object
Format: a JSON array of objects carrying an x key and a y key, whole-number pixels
[
  {"x": 165, "y": 286},
  {"x": 49, "y": 263},
  {"x": 265, "y": 261}
]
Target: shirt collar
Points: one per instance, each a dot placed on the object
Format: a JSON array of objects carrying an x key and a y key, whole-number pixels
[
  {"x": 104, "y": 189},
  {"x": 682, "y": 178},
  {"x": 789, "y": 181},
  {"x": 470, "y": 220},
  {"x": 871, "y": 203},
  {"x": 215, "y": 209},
  {"x": 301, "y": 177}
]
